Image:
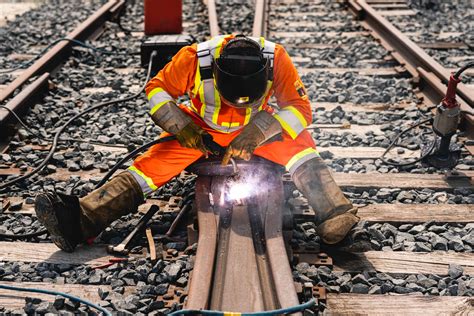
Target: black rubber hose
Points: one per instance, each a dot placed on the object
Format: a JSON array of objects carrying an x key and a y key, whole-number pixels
[
  {"x": 30, "y": 130},
  {"x": 63, "y": 127},
  {"x": 462, "y": 69},
  {"x": 130, "y": 155},
  {"x": 398, "y": 164}
]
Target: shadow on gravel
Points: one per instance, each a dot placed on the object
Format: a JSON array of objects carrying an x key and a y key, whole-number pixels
[{"x": 350, "y": 261}]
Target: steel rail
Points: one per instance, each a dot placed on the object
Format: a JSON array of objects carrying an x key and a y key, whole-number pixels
[
  {"x": 241, "y": 263},
  {"x": 427, "y": 72},
  {"x": 260, "y": 19},
  {"x": 31, "y": 94},
  {"x": 213, "y": 24},
  {"x": 50, "y": 61},
  {"x": 200, "y": 281}
]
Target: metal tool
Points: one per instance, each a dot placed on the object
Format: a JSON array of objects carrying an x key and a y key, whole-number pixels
[
  {"x": 448, "y": 113},
  {"x": 122, "y": 248},
  {"x": 111, "y": 262},
  {"x": 217, "y": 150}
]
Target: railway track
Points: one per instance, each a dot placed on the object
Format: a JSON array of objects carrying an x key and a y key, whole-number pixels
[{"x": 416, "y": 234}]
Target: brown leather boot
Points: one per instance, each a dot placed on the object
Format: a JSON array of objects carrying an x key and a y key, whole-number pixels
[
  {"x": 72, "y": 221},
  {"x": 335, "y": 214}
]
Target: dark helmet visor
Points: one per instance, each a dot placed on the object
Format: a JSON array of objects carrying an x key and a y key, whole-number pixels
[{"x": 247, "y": 83}]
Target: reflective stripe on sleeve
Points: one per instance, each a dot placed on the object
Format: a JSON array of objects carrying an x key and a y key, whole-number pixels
[
  {"x": 300, "y": 158},
  {"x": 156, "y": 98},
  {"x": 291, "y": 120},
  {"x": 146, "y": 183}
]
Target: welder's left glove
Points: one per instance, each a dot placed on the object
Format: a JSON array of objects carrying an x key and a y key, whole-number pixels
[{"x": 261, "y": 128}]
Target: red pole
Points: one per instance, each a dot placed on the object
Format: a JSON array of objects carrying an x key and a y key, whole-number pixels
[{"x": 163, "y": 17}]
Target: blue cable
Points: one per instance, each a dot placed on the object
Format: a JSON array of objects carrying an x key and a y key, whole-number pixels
[
  {"x": 71, "y": 297},
  {"x": 288, "y": 310}
]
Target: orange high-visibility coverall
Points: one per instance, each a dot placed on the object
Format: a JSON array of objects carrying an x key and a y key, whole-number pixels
[{"x": 164, "y": 161}]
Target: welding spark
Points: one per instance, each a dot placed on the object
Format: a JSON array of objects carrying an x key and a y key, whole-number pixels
[{"x": 239, "y": 190}]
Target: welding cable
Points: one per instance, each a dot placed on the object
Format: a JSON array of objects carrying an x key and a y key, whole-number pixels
[
  {"x": 118, "y": 21},
  {"x": 208, "y": 142},
  {"x": 462, "y": 69},
  {"x": 399, "y": 164},
  {"x": 140, "y": 149},
  {"x": 281, "y": 311},
  {"x": 27, "y": 128},
  {"x": 63, "y": 127},
  {"x": 50, "y": 292},
  {"x": 79, "y": 140},
  {"x": 74, "y": 41},
  {"x": 132, "y": 154}
]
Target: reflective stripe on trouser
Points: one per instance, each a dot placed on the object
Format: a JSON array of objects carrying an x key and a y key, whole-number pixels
[
  {"x": 161, "y": 162},
  {"x": 145, "y": 182},
  {"x": 300, "y": 158}
]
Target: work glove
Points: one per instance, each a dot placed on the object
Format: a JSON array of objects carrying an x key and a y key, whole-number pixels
[
  {"x": 173, "y": 120},
  {"x": 261, "y": 128},
  {"x": 191, "y": 136}
]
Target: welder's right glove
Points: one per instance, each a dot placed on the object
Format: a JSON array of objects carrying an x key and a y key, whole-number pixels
[
  {"x": 172, "y": 120},
  {"x": 191, "y": 137}
]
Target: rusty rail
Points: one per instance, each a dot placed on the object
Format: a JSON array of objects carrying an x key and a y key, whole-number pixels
[
  {"x": 427, "y": 72},
  {"x": 31, "y": 94},
  {"x": 240, "y": 265},
  {"x": 260, "y": 19},
  {"x": 50, "y": 61}
]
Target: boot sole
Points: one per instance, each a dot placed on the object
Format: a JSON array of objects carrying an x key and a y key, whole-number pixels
[
  {"x": 47, "y": 216},
  {"x": 334, "y": 230}
]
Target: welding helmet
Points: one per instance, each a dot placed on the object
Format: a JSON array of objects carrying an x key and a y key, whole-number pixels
[{"x": 241, "y": 73}]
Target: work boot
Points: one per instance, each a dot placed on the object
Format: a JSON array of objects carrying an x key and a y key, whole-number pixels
[
  {"x": 335, "y": 214},
  {"x": 71, "y": 220}
]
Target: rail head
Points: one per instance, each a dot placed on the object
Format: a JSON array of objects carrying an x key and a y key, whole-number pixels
[{"x": 240, "y": 262}]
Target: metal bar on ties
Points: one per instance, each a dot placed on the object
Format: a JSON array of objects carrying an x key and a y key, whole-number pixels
[
  {"x": 56, "y": 55},
  {"x": 259, "y": 22},
  {"x": 200, "y": 283},
  {"x": 213, "y": 25}
]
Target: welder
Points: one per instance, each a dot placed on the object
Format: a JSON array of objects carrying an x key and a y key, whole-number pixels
[{"x": 229, "y": 80}]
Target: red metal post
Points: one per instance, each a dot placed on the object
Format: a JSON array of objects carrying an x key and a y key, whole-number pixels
[{"x": 163, "y": 17}]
